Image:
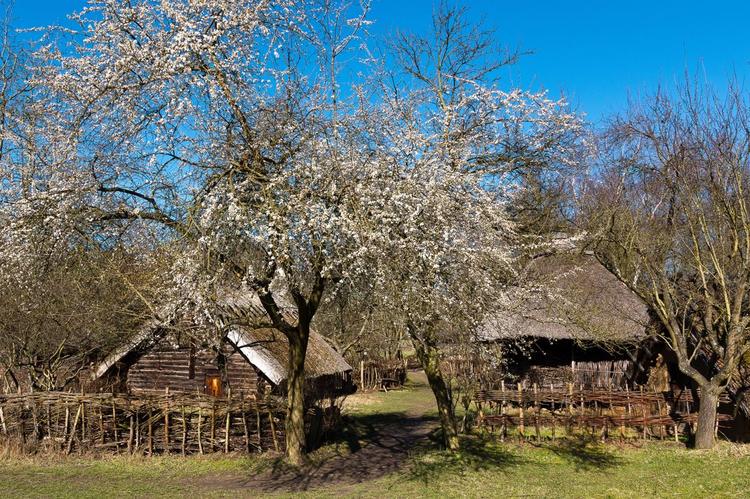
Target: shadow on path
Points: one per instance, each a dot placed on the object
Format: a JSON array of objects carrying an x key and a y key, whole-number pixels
[
  {"x": 475, "y": 455},
  {"x": 370, "y": 446}
]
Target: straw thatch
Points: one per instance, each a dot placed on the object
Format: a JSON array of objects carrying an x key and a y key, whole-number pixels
[
  {"x": 249, "y": 331},
  {"x": 576, "y": 298}
]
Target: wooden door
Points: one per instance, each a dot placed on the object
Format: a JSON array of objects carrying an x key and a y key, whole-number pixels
[{"x": 213, "y": 385}]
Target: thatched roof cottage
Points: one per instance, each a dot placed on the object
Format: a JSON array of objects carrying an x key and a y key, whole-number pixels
[
  {"x": 249, "y": 358},
  {"x": 576, "y": 323}
]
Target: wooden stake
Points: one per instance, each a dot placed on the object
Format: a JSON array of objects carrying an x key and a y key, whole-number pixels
[
  {"x": 67, "y": 420},
  {"x": 131, "y": 435},
  {"x": 521, "y": 427},
  {"x": 184, "y": 431},
  {"x": 114, "y": 424},
  {"x": 245, "y": 428},
  {"x": 552, "y": 410},
  {"x": 49, "y": 422},
  {"x": 166, "y": 421},
  {"x": 227, "y": 429},
  {"x": 73, "y": 431},
  {"x": 150, "y": 432},
  {"x": 643, "y": 411},
  {"x": 35, "y": 420},
  {"x": 200, "y": 437},
  {"x": 101, "y": 426},
  {"x": 213, "y": 427},
  {"x": 137, "y": 430},
  {"x": 83, "y": 421},
  {"x": 2, "y": 421},
  {"x": 260, "y": 429},
  {"x": 536, "y": 413},
  {"x": 504, "y": 428},
  {"x": 568, "y": 429},
  {"x": 273, "y": 430}
]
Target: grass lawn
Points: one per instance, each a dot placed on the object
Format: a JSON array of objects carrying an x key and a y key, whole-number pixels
[
  {"x": 573, "y": 470},
  {"x": 566, "y": 468}
]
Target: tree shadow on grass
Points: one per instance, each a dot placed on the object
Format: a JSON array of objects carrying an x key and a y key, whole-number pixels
[
  {"x": 475, "y": 455},
  {"x": 585, "y": 453}
]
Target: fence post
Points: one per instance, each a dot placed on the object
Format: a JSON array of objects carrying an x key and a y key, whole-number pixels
[
  {"x": 114, "y": 425},
  {"x": 137, "y": 429},
  {"x": 184, "y": 430},
  {"x": 259, "y": 425},
  {"x": 552, "y": 410},
  {"x": 2, "y": 421},
  {"x": 150, "y": 431},
  {"x": 521, "y": 427},
  {"x": 166, "y": 420},
  {"x": 244, "y": 425},
  {"x": 536, "y": 413},
  {"x": 49, "y": 422},
  {"x": 662, "y": 429},
  {"x": 504, "y": 429},
  {"x": 131, "y": 434},
  {"x": 213, "y": 426},
  {"x": 73, "y": 430},
  {"x": 228, "y": 424},
  {"x": 643, "y": 411},
  {"x": 200, "y": 435},
  {"x": 83, "y": 419},
  {"x": 362, "y": 374},
  {"x": 273, "y": 429},
  {"x": 101, "y": 424},
  {"x": 569, "y": 428}
]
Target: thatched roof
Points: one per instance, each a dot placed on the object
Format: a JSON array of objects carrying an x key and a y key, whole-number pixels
[
  {"x": 577, "y": 298},
  {"x": 248, "y": 329}
]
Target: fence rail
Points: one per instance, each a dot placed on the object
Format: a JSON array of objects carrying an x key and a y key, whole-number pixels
[{"x": 144, "y": 423}]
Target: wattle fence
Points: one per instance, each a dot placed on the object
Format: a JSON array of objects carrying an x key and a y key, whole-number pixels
[
  {"x": 158, "y": 423},
  {"x": 548, "y": 412}
]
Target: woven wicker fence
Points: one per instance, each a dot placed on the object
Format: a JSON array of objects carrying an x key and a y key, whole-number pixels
[
  {"x": 534, "y": 410},
  {"x": 144, "y": 424}
]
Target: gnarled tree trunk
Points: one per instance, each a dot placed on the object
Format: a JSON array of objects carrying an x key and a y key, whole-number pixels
[
  {"x": 704, "y": 432},
  {"x": 295, "y": 409},
  {"x": 430, "y": 360}
]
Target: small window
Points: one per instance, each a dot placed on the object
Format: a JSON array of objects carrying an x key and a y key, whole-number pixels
[{"x": 213, "y": 386}]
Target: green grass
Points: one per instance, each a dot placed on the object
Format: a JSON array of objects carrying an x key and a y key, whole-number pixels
[
  {"x": 564, "y": 468},
  {"x": 578, "y": 469},
  {"x": 414, "y": 397}
]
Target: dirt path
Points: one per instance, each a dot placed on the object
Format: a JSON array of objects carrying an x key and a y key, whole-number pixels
[{"x": 372, "y": 446}]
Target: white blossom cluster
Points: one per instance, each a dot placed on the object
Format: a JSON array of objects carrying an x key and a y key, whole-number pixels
[{"x": 205, "y": 122}]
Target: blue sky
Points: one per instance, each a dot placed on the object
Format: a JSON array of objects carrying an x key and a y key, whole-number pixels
[{"x": 595, "y": 52}]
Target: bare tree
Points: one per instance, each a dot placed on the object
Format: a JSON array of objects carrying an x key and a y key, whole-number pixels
[{"x": 669, "y": 215}]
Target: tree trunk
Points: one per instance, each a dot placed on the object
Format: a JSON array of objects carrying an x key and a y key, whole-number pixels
[
  {"x": 295, "y": 410},
  {"x": 704, "y": 433},
  {"x": 430, "y": 361}
]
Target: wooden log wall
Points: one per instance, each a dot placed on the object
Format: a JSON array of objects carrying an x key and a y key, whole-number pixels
[
  {"x": 601, "y": 374},
  {"x": 167, "y": 423},
  {"x": 173, "y": 368},
  {"x": 604, "y": 412}
]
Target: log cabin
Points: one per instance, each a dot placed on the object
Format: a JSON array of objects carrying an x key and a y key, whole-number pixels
[{"x": 242, "y": 356}]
